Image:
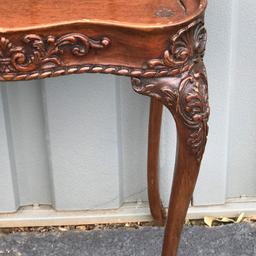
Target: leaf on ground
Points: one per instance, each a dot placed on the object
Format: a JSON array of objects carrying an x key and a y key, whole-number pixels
[
  {"x": 209, "y": 221},
  {"x": 225, "y": 220},
  {"x": 240, "y": 218},
  {"x": 63, "y": 229}
]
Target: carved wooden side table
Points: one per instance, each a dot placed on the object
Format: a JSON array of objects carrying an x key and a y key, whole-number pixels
[{"x": 159, "y": 44}]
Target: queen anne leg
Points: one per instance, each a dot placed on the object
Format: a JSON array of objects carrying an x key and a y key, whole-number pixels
[{"x": 186, "y": 96}]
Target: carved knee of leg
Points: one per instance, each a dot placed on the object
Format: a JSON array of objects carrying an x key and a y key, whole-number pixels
[{"x": 186, "y": 96}]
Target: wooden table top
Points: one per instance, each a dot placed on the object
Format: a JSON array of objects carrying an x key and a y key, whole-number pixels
[{"x": 27, "y": 14}]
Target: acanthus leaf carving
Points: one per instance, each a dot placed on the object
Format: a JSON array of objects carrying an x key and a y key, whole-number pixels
[
  {"x": 186, "y": 47},
  {"x": 193, "y": 107},
  {"x": 38, "y": 52},
  {"x": 186, "y": 94},
  {"x": 187, "y": 99}
]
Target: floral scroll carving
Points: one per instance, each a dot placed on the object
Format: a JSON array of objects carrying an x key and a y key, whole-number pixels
[
  {"x": 187, "y": 99},
  {"x": 186, "y": 94},
  {"x": 193, "y": 106},
  {"x": 38, "y": 52},
  {"x": 186, "y": 47},
  {"x": 37, "y": 57}
]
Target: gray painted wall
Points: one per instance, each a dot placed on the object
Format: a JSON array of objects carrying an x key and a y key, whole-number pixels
[{"x": 79, "y": 142}]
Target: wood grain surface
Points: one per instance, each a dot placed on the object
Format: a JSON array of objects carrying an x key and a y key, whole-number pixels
[{"x": 24, "y": 14}]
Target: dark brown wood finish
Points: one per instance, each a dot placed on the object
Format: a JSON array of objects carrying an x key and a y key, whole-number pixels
[
  {"x": 154, "y": 132},
  {"x": 43, "y": 39},
  {"x": 187, "y": 99},
  {"x": 160, "y": 44},
  {"x": 141, "y": 14}
]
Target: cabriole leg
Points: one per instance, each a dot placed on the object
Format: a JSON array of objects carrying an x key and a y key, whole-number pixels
[{"x": 186, "y": 97}]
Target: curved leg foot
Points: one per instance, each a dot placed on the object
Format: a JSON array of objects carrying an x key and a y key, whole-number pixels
[
  {"x": 155, "y": 119},
  {"x": 186, "y": 97}
]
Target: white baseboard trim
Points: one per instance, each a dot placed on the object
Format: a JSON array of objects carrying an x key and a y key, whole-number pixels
[
  {"x": 46, "y": 216},
  {"x": 232, "y": 208},
  {"x": 129, "y": 212}
]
